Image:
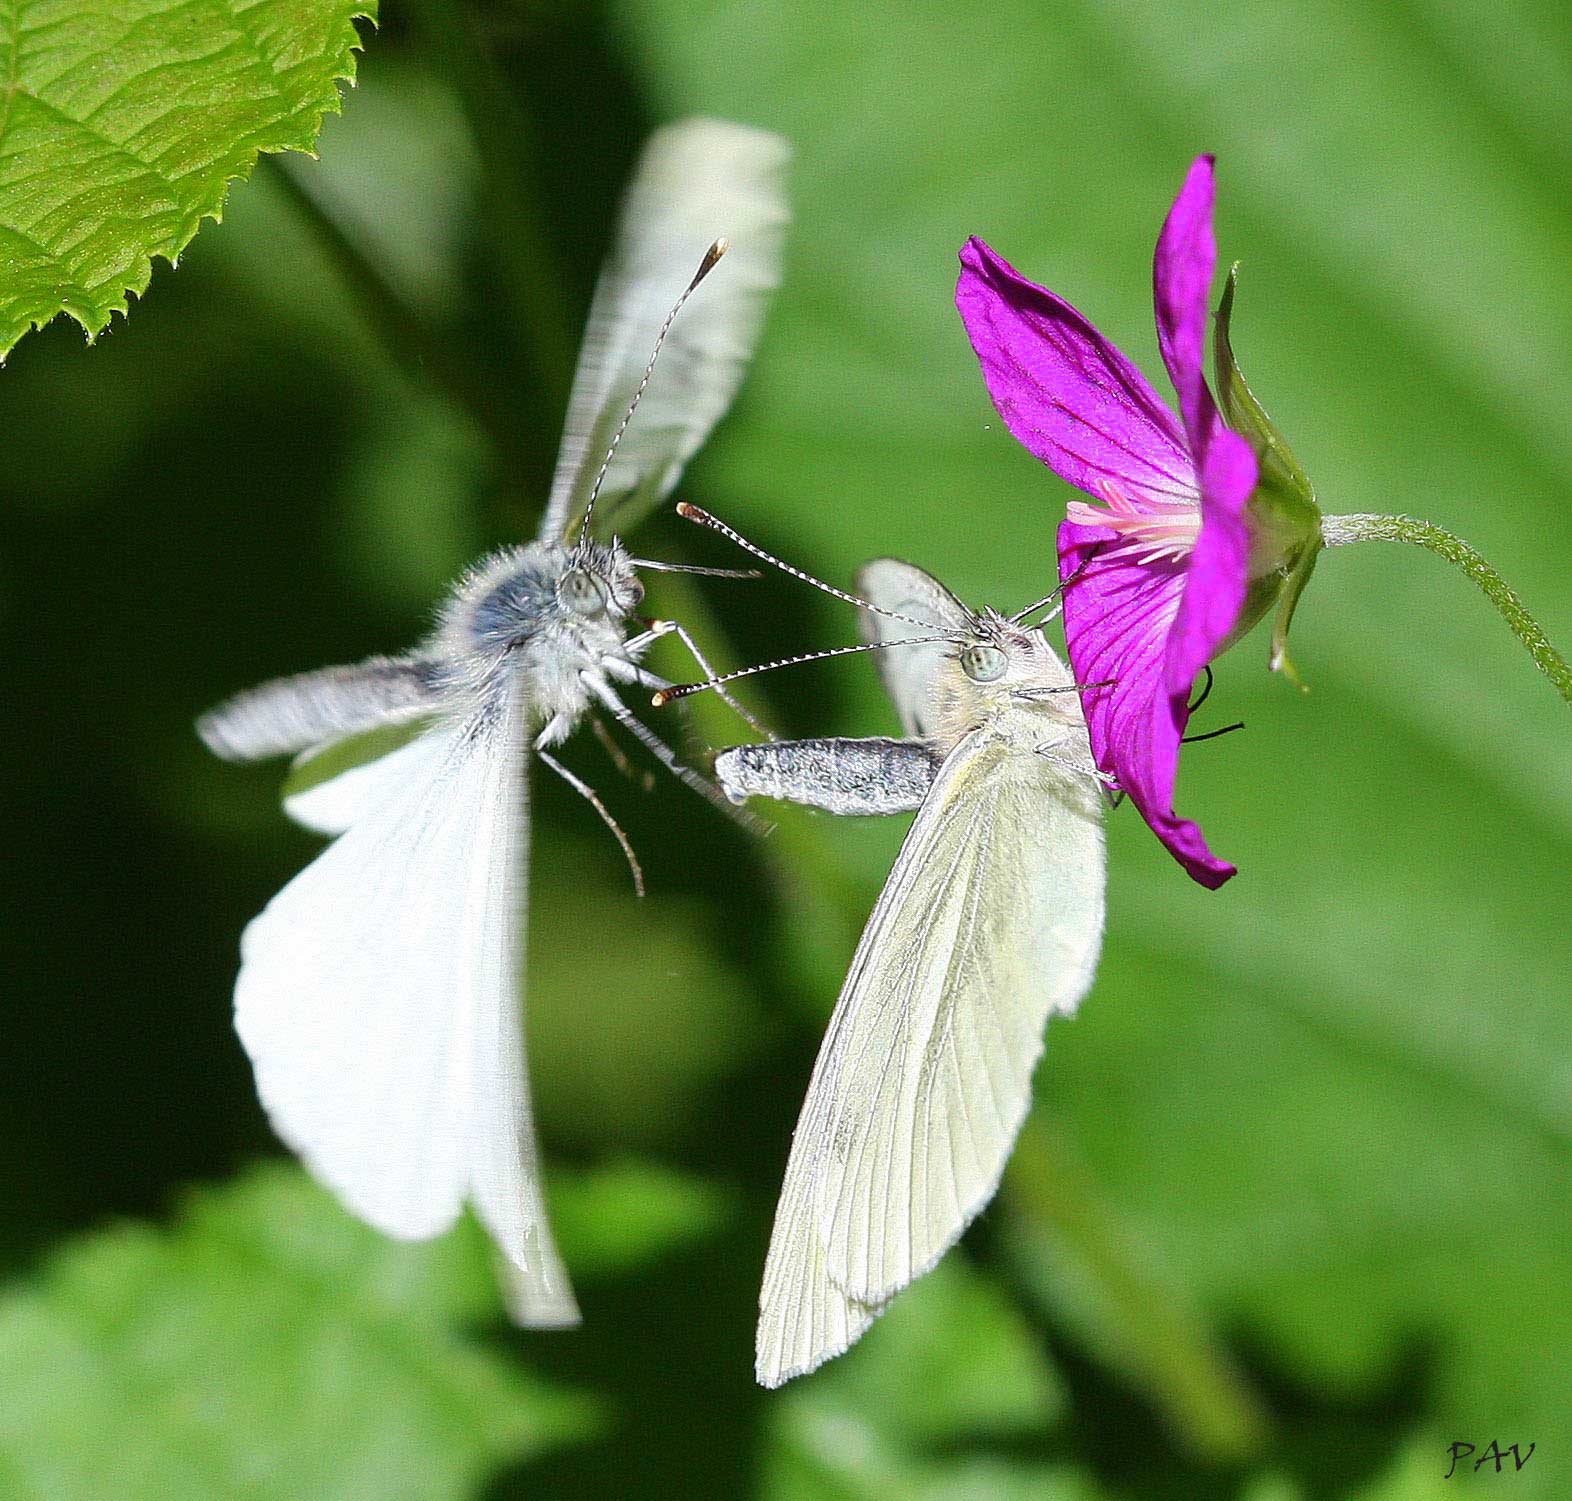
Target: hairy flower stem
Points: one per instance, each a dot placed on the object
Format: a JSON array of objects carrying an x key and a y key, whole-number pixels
[{"x": 1337, "y": 531}]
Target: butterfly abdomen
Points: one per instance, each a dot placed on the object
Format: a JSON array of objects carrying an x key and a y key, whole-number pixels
[{"x": 870, "y": 776}]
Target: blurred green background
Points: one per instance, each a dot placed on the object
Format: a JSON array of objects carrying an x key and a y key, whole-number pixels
[{"x": 1296, "y": 1213}]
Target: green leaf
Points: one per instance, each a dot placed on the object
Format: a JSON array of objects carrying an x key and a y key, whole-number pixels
[
  {"x": 616, "y": 1217},
  {"x": 265, "y": 1345},
  {"x": 121, "y": 129},
  {"x": 1076, "y": 1256}
]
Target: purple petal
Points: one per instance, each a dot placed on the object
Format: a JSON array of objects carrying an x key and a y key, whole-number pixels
[
  {"x": 1148, "y": 627},
  {"x": 1219, "y": 565},
  {"x": 1181, "y": 280},
  {"x": 1064, "y": 391},
  {"x": 1118, "y": 617}
]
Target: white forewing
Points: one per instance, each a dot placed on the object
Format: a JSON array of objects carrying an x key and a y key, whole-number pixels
[
  {"x": 804, "y": 1318},
  {"x": 379, "y": 1001},
  {"x": 990, "y": 923},
  {"x": 696, "y": 181},
  {"x": 909, "y": 674},
  {"x": 335, "y": 803}
]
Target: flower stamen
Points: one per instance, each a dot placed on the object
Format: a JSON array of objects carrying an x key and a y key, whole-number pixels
[{"x": 1162, "y": 528}]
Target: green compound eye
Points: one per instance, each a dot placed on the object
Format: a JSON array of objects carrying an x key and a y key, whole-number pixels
[
  {"x": 984, "y": 664},
  {"x": 582, "y": 592}
]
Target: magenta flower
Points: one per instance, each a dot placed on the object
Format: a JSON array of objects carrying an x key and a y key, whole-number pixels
[{"x": 1160, "y": 557}]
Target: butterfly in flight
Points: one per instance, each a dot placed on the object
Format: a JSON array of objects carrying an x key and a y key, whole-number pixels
[{"x": 380, "y": 993}]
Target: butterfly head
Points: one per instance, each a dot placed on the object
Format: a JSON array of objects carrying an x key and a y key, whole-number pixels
[
  {"x": 999, "y": 665},
  {"x": 599, "y": 582},
  {"x": 998, "y": 655},
  {"x": 563, "y": 608}
]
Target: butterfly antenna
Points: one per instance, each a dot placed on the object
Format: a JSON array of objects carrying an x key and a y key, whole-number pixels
[
  {"x": 1020, "y": 616},
  {"x": 711, "y": 258},
  {"x": 684, "y": 690},
  {"x": 1048, "y": 599},
  {"x": 710, "y": 573},
  {"x": 702, "y": 517}
]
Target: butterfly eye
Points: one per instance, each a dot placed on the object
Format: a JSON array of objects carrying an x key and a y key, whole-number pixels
[
  {"x": 984, "y": 664},
  {"x": 582, "y": 592},
  {"x": 634, "y": 590}
]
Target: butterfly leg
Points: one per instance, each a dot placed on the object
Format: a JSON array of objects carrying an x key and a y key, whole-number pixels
[
  {"x": 871, "y": 776},
  {"x": 1049, "y": 751},
  {"x": 721, "y": 692},
  {"x": 619, "y": 758},
  {"x": 592, "y": 797},
  {"x": 663, "y": 753}
]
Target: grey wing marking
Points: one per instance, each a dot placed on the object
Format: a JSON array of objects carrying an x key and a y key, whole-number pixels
[
  {"x": 875, "y": 775},
  {"x": 297, "y": 713}
]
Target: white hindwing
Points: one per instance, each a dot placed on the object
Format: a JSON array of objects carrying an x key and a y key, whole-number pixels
[
  {"x": 379, "y": 1001},
  {"x": 804, "y": 1318},
  {"x": 336, "y": 802},
  {"x": 908, "y": 675},
  {"x": 990, "y": 922},
  {"x": 697, "y": 180}
]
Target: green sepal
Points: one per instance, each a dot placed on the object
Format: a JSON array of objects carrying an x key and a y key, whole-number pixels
[
  {"x": 1287, "y": 602},
  {"x": 1260, "y": 596},
  {"x": 1281, "y": 473},
  {"x": 1285, "y": 520}
]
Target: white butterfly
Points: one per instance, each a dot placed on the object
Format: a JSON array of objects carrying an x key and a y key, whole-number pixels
[
  {"x": 380, "y": 991},
  {"x": 990, "y": 923}
]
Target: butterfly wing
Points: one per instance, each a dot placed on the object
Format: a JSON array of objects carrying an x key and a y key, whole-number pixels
[
  {"x": 353, "y": 729},
  {"x": 309, "y": 709},
  {"x": 697, "y": 180},
  {"x": 379, "y": 1001},
  {"x": 804, "y": 1318},
  {"x": 990, "y": 922},
  {"x": 909, "y": 674},
  {"x": 321, "y": 796}
]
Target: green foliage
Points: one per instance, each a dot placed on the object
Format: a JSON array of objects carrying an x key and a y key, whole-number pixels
[
  {"x": 955, "y": 1369},
  {"x": 264, "y": 1346},
  {"x": 618, "y": 1218},
  {"x": 122, "y": 127}
]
